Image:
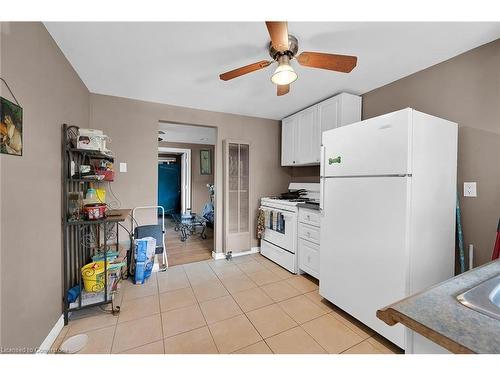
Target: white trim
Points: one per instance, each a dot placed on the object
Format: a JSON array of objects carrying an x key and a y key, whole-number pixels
[
  {"x": 185, "y": 174},
  {"x": 51, "y": 337},
  {"x": 253, "y": 250},
  {"x": 221, "y": 255},
  {"x": 218, "y": 255},
  {"x": 156, "y": 266}
]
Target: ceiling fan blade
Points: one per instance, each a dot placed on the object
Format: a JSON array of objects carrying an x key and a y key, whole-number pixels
[
  {"x": 338, "y": 63},
  {"x": 244, "y": 70},
  {"x": 278, "y": 31},
  {"x": 283, "y": 89}
]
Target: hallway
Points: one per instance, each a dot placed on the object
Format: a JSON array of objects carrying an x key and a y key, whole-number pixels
[{"x": 194, "y": 249}]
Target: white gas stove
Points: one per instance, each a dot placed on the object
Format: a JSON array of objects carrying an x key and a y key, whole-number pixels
[{"x": 279, "y": 241}]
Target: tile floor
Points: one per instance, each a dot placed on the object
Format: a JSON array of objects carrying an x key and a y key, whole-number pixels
[{"x": 248, "y": 305}]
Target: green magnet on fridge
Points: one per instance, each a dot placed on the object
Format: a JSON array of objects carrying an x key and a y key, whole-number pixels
[{"x": 334, "y": 160}]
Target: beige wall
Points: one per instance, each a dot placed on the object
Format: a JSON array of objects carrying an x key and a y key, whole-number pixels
[
  {"x": 466, "y": 90},
  {"x": 304, "y": 174},
  {"x": 50, "y": 93},
  {"x": 133, "y": 126},
  {"x": 199, "y": 190}
]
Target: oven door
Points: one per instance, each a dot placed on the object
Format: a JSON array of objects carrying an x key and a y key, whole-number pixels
[{"x": 281, "y": 228}]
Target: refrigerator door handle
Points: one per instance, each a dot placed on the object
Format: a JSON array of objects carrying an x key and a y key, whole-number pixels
[
  {"x": 322, "y": 166},
  {"x": 322, "y": 178},
  {"x": 321, "y": 192}
]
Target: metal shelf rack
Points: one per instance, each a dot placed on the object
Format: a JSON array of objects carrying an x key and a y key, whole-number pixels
[{"x": 81, "y": 238}]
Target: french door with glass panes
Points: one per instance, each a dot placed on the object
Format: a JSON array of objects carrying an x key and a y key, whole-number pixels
[{"x": 236, "y": 196}]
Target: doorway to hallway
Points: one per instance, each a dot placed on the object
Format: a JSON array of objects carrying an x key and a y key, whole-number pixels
[{"x": 186, "y": 174}]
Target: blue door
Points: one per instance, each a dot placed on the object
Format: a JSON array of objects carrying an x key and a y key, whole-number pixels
[{"x": 169, "y": 187}]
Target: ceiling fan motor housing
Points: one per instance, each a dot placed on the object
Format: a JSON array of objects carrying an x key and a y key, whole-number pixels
[{"x": 293, "y": 47}]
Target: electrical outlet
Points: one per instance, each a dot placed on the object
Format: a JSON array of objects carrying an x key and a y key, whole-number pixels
[
  {"x": 123, "y": 167},
  {"x": 470, "y": 189}
]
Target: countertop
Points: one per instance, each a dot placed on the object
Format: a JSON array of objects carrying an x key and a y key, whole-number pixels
[
  {"x": 437, "y": 315},
  {"x": 309, "y": 206}
]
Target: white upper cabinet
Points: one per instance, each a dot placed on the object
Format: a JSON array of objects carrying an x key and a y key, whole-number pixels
[
  {"x": 328, "y": 113},
  {"x": 307, "y": 137},
  {"x": 288, "y": 140},
  {"x": 301, "y": 132}
]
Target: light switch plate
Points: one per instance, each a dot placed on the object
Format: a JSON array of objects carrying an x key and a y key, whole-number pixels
[
  {"x": 123, "y": 167},
  {"x": 470, "y": 189}
]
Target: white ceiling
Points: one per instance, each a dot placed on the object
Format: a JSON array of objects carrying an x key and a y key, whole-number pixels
[
  {"x": 187, "y": 133},
  {"x": 179, "y": 62}
]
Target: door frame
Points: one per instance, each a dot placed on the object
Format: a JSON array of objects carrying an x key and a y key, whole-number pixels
[{"x": 185, "y": 174}]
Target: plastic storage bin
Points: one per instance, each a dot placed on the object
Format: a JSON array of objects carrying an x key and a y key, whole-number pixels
[
  {"x": 144, "y": 258},
  {"x": 93, "y": 276}
]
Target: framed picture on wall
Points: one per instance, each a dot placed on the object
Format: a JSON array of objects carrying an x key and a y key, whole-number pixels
[
  {"x": 11, "y": 128},
  {"x": 205, "y": 162}
]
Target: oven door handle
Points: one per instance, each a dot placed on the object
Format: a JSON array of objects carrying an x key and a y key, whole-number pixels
[{"x": 286, "y": 214}]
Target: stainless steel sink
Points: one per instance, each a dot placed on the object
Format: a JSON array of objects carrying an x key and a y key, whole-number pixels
[{"x": 484, "y": 298}]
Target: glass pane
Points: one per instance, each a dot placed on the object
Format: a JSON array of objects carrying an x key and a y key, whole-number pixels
[
  {"x": 244, "y": 211},
  {"x": 233, "y": 167},
  {"x": 244, "y": 173},
  {"x": 233, "y": 212}
]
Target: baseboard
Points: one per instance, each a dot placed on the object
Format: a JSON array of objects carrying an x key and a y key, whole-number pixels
[
  {"x": 51, "y": 337},
  {"x": 253, "y": 250},
  {"x": 221, "y": 255},
  {"x": 218, "y": 255}
]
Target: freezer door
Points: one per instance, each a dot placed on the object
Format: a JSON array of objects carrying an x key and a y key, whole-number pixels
[
  {"x": 379, "y": 146},
  {"x": 364, "y": 256}
]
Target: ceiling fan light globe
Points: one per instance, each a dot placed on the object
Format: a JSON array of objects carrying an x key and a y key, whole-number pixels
[{"x": 284, "y": 75}]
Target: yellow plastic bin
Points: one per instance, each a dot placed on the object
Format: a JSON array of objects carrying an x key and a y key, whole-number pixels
[{"x": 93, "y": 276}]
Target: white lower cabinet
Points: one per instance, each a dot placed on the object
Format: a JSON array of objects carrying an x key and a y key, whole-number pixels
[
  {"x": 308, "y": 244},
  {"x": 309, "y": 217},
  {"x": 309, "y": 233},
  {"x": 422, "y": 345},
  {"x": 309, "y": 257}
]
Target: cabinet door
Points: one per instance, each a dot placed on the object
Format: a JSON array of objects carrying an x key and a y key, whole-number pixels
[
  {"x": 349, "y": 109},
  {"x": 309, "y": 257},
  {"x": 288, "y": 139},
  {"x": 316, "y": 138},
  {"x": 307, "y": 137},
  {"x": 328, "y": 114}
]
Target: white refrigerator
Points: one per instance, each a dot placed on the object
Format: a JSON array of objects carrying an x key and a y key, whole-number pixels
[{"x": 388, "y": 194}]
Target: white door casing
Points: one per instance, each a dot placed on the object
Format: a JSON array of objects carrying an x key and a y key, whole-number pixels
[{"x": 185, "y": 174}]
